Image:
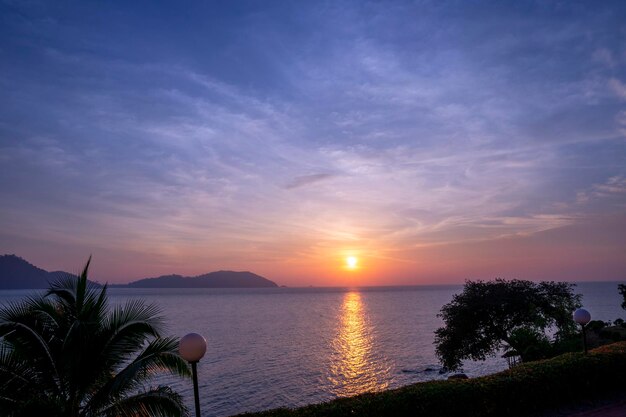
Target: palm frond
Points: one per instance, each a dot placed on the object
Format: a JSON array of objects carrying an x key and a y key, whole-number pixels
[
  {"x": 156, "y": 402},
  {"x": 127, "y": 327},
  {"x": 63, "y": 291},
  {"x": 26, "y": 332},
  {"x": 160, "y": 356},
  {"x": 22, "y": 390},
  {"x": 67, "y": 350},
  {"x": 77, "y": 294},
  {"x": 16, "y": 375},
  {"x": 81, "y": 286}
]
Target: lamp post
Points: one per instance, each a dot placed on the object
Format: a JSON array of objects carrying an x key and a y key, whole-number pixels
[
  {"x": 192, "y": 348},
  {"x": 582, "y": 317}
]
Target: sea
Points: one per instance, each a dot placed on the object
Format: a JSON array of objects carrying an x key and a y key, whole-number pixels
[{"x": 288, "y": 347}]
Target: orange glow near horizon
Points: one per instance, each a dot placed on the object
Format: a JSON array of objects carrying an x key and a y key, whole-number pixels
[{"x": 379, "y": 263}]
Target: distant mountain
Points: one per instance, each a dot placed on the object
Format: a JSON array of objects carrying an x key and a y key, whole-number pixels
[
  {"x": 16, "y": 273},
  {"x": 219, "y": 279}
]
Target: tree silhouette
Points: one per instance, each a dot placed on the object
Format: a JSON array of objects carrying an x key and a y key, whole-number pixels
[
  {"x": 68, "y": 353},
  {"x": 488, "y": 316}
]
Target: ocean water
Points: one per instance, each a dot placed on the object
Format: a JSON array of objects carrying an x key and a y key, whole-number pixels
[{"x": 279, "y": 347}]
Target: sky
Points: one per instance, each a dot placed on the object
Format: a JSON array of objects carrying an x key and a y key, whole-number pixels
[{"x": 434, "y": 141}]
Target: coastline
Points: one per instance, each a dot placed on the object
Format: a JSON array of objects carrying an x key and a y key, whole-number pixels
[{"x": 566, "y": 382}]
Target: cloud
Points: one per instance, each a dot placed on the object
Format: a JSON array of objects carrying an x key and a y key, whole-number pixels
[
  {"x": 618, "y": 87},
  {"x": 620, "y": 118},
  {"x": 304, "y": 180},
  {"x": 613, "y": 187},
  {"x": 604, "y": 56},
  {"x": 382, "y": 128}
]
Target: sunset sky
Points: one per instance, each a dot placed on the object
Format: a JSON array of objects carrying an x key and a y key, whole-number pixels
[{"x": 432, "y": 141}]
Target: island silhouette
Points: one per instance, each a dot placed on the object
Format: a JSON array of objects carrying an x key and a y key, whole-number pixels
[{"x": 17, "y": 273}]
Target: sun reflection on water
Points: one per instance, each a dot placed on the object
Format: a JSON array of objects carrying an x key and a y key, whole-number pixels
[{"x": 355, "y": 367}]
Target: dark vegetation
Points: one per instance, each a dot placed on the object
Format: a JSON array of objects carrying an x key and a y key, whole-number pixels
[
  {"x": 569, "y": 379},
  {"x": 600, "y": 333},
  {"x": 517, "y": 316},
  {"x": 68, "y": 353}
]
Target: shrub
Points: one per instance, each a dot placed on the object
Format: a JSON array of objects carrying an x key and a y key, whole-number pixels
[
  {"x": 595, "y": 325},
  {"x": 614, "y": 333},
  {"x": 527, "y": 388}
]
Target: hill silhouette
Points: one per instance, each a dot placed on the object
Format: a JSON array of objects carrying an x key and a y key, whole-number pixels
[
  {"x": 17, "y": 273},
  {"x": 218, "y": 279}
]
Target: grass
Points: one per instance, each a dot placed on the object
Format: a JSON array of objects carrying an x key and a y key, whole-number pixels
[{"x": 563, "y": 381}]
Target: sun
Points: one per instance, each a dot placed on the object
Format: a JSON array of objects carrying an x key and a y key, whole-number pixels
[{"x": 352, "y": 262}]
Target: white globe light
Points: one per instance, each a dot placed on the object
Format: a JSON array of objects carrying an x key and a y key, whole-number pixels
[
  {"x": 192, "y": 347},
  {"x": 582, "y": 316}
]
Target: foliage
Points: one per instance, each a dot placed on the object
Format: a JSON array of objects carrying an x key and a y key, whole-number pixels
[
  {"x": 529, "y": 344},
  {"x": 68, "y": 353},
  {"x": 622, "y": 290},
  {"x": 529, "y": 388},
  {"x": 613, "y": 333},
  {"x": 481, "y": 320},
  {"x": 595, "y": 325},
  {"x": 571, "y": 343}
]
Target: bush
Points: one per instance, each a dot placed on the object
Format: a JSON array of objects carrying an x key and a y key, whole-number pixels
[
  {"x": 595, "y": 325},
  {"x": 614, "y": 333},
  {"x": 573, "y": 343},
  {"x": 532, "y": 387}
]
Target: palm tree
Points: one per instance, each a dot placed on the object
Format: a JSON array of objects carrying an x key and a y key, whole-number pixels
[{"x": 68, "y": 353}]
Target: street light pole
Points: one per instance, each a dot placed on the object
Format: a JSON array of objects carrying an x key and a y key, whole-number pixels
[
  {"x": 582, "y": 317},
  {"x": 192, "y": 348},
  {"x": 196, "y": 395}
]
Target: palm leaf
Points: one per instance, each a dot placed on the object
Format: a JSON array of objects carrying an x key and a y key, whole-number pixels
[
  {"x": 67, "y": 352},
  {"x": 16, "y": 376},
  {"x": 127, "y": 328},
  {"x": 25, "y": 331},
  {"x": 156, "y": 402},
  {"x": 160, "y": 356}
]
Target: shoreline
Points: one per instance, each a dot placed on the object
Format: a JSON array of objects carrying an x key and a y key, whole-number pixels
[{"x": 542, "y": 388}]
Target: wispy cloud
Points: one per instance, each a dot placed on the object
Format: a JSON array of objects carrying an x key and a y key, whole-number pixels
[
  {"x": 303, "y": 180},
  {"x": 271, "y": 144},
  {"x": 612, "y": 187},
  {"x": 618, "y": 87}
]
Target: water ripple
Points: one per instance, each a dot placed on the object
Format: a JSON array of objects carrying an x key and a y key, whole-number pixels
[{"x": 288, "y": 347}]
